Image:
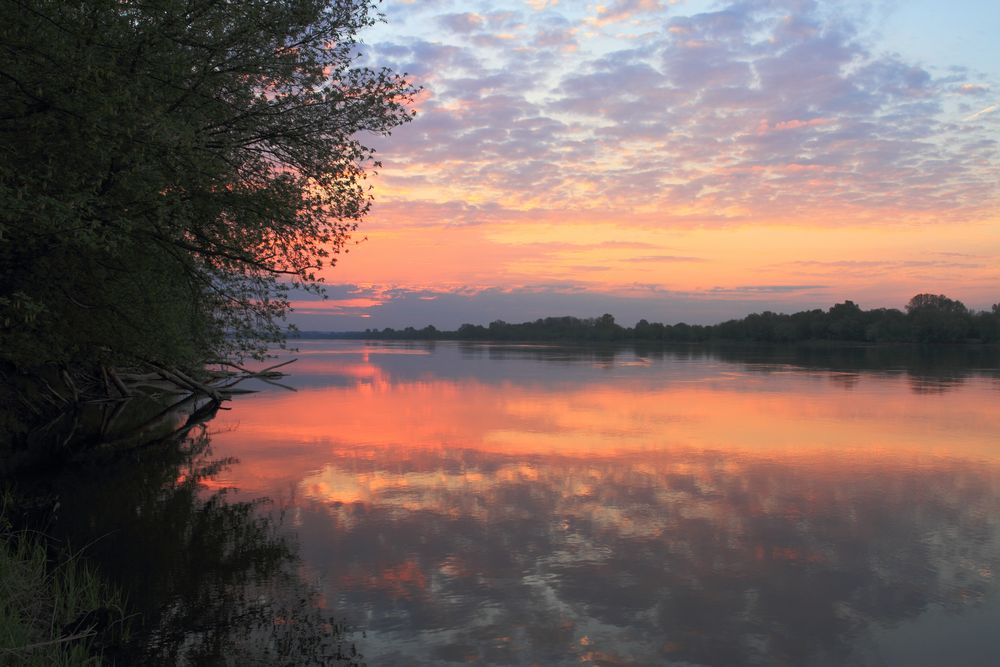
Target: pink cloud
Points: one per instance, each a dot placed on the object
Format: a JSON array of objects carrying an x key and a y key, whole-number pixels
[
  {"x": 796, "y": 124},
  {"x": 623, "y": 10}
]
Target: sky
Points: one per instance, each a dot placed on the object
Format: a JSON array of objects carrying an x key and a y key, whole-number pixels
[{"x": 677, "y": 160}]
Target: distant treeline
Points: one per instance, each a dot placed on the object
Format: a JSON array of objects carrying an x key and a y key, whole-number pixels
[{"x": 927, "y": 318}]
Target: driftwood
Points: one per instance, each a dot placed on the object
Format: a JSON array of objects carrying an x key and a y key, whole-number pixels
[
  {"x": 107, "y": 382},
  {"x": 262, "y": 373},
  {"x": 58, "y": 390},
  {"x": 205, "y": 389},
  {"x": 182, "y": 379},
  {"x": 119, "y": 385},
  {"x": 270, "y": 369},
  {"x": 268, "y": 375},
  {"x": 108, "y": 417},
  {"x": 66, "y": 378},
  {"x": 70, "y": 411},
  {"x": 55, "y": 393},
  {"x": 277, "y": 384},
  {"x": 218, "y": 384}
]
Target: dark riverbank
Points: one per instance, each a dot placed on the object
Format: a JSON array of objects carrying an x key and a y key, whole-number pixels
[{"x": 928, "y": 319}]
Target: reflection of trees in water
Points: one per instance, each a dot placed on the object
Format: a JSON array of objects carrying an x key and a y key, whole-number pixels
[
  {"x": 930, "y": 367},
  {"x": 208, "y": 580},
  {"x": 692, "y": 557},
  {"x": 945, "y": 365},
  {"x": 930, "y": 385}
]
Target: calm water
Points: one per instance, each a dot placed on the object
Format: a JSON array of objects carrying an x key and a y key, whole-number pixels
[{"x": 526, "y": 504}]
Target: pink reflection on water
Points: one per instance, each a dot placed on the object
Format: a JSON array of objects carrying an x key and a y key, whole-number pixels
[{"x": 691, "y": 507}]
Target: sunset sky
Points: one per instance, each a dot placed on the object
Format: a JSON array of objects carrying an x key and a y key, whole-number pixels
[{"x": 678, "y": 160}]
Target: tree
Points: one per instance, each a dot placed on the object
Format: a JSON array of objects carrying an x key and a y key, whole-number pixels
[
  {"x": 935, "y": 318},
  {"x": 606, "y": 329},
  {"x": 170, "y": 168},
  {"x": 935, "y": 302},
  {"x": 845, "y": 321}
]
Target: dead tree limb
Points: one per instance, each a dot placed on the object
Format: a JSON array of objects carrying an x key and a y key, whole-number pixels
[
  {"x": 119, "y": 385},
  {"x": 71, "y": 385},
  {"x": 203, "y": 388}
]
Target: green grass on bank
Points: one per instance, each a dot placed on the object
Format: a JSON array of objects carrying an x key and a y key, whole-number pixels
[{"x": 52, "y": 613}]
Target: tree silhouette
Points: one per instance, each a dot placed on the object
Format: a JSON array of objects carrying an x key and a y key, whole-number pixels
[
  {"x": 929, "y": 318},
  {"x": 937, "y": 319},
  {"x": 170, "y": 167}
]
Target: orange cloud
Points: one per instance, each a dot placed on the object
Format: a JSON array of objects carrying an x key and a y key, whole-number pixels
[{"x": 748, "y": 138}]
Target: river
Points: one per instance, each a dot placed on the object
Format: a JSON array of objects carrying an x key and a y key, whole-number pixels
[
  {"x": 526, "y": 504},
  {"x": 523, "y": 504}
]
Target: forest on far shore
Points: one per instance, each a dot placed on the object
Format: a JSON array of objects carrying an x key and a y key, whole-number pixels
[{"x": 927, "y": 318}]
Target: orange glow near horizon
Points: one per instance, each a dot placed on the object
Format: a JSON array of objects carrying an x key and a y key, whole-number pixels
[
  {"x": 798, "y": 158},
  {"x": 832, "y": 262}
]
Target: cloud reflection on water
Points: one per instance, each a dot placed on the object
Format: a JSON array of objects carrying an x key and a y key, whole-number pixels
[{"x": 639, "y": 513}]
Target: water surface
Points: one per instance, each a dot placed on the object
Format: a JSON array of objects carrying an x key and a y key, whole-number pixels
[{"x": 532, "y": 504}]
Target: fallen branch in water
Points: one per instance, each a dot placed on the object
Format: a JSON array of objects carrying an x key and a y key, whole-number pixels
[
  {"x": 264, "y": 372},
  {"x": 205, "y": 389},
  {"x": 119, "y": 385},
  {"x": 49, "y": 397},
  {"x": 268, "y": 375},
  {"x": 67, "y": 411}
]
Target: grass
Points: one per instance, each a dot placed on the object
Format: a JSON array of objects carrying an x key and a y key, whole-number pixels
[{"x": 52, "y": 612}]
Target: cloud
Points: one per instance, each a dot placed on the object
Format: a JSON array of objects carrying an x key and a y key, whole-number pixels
[
  {"x": 461, "y": 23},
  {"x": 558, "y": 37},
  {"x": 984, "y": 112},
  {"x": 665, "y": 258},
  {"x": 540, "y": 136},
  {"x": 897, "y": 267},
  {"x": 623, "y": 10},
  {"x": 750, "y": 111},
  {"x": 976, "y": 89},
  {"x": 539, "y": 5},
  {"x": 765, "y": 289}
]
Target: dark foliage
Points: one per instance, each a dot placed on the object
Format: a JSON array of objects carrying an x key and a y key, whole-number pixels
[
  {"x": 168, "y": 168},
  {"x": 928, "y": 318}
]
